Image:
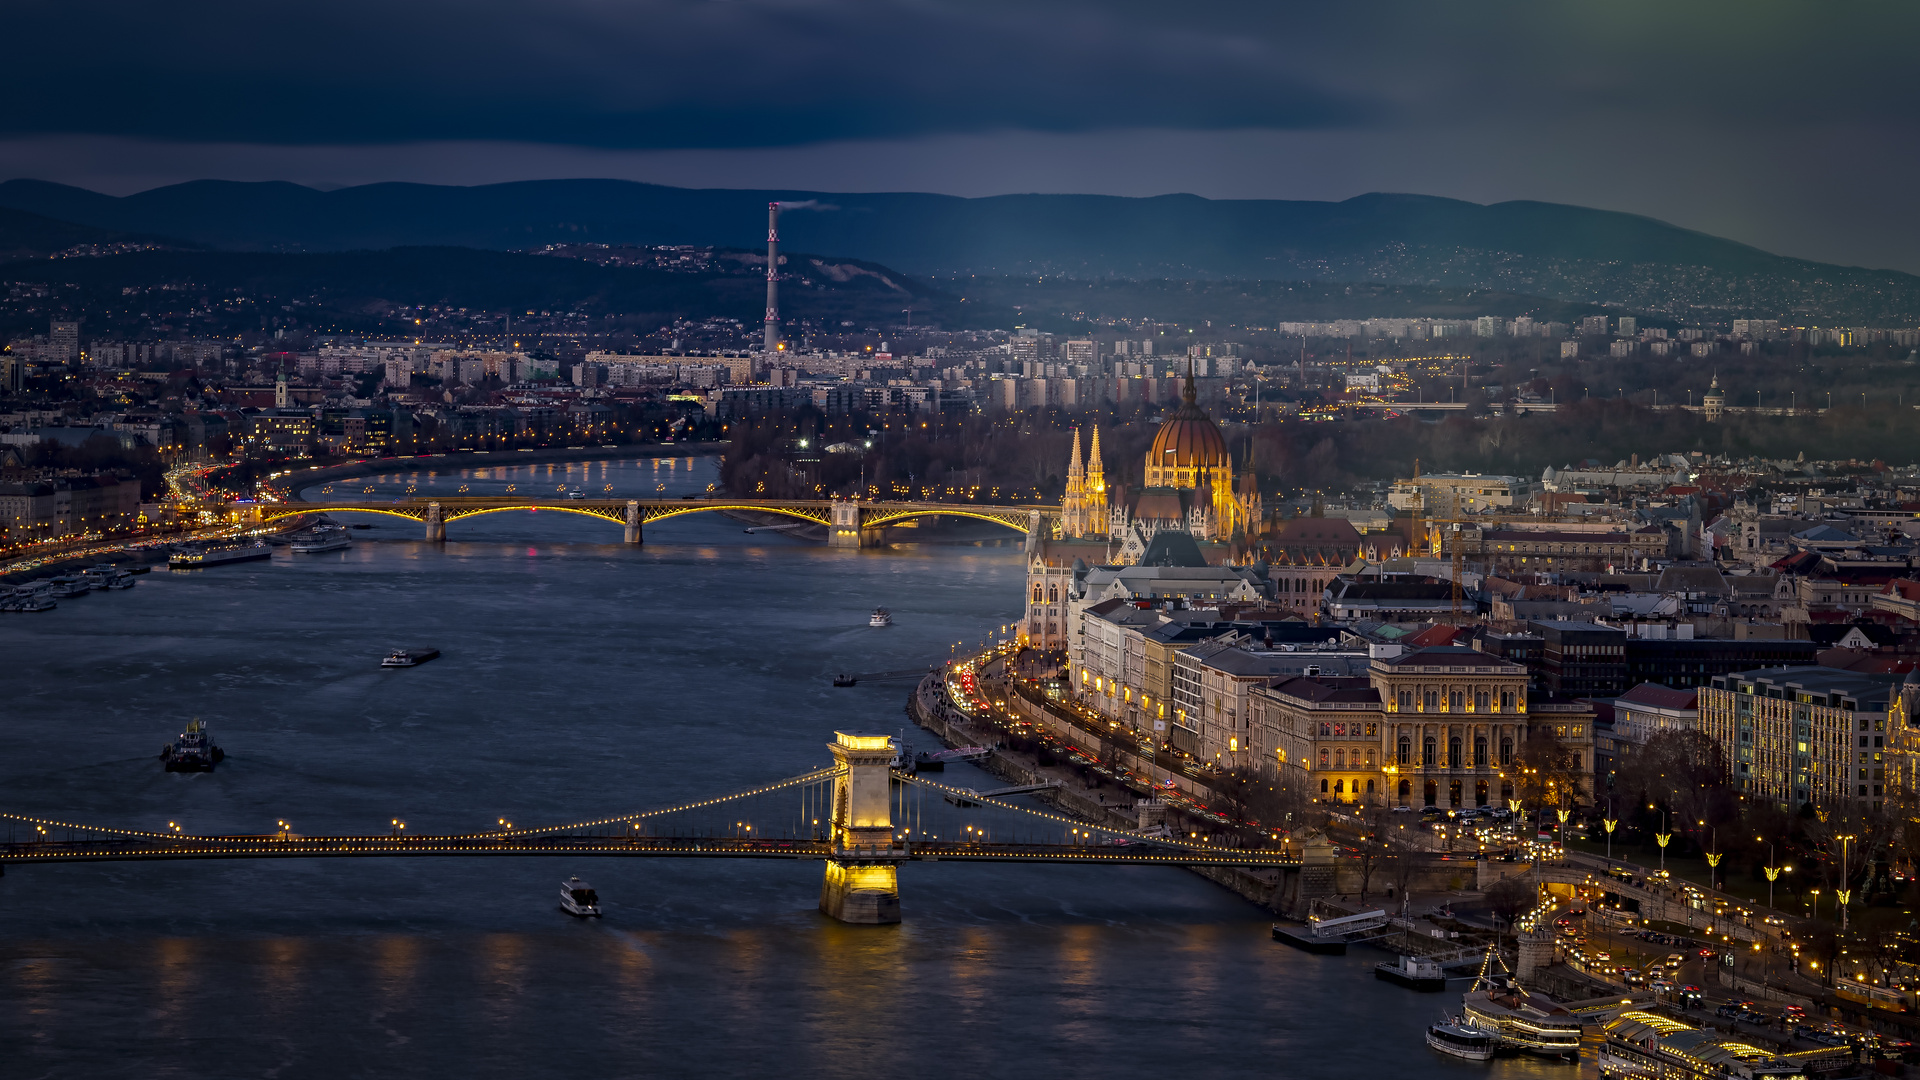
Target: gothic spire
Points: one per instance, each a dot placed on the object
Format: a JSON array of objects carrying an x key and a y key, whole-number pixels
[{"x": 1189, "y": 394}]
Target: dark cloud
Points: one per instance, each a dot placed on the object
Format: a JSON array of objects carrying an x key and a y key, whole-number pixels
[
  {"x": 1788, "y": 125},
  {"x": 637, "y": 75}
]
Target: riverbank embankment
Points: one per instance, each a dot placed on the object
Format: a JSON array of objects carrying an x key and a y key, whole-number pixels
[{"x": 494, "y": 459}]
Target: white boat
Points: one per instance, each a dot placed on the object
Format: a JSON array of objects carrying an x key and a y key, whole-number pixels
[
  {"x": 578, "y": 898},
  {"x": 881, "y": 617},
  {"x": 322, "y": 538},
  {"x": 1455, "y": 1037},
  {"x": 107, "y": 576},
  {"x": 576, "y": 493}
]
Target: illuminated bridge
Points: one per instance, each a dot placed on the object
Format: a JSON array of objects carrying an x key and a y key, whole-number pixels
[
  {"x": 849, "y": 522},
  {"x": 858, "y": 816}
]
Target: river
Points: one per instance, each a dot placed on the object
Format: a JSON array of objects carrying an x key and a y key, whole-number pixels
[{"x": 580, "y": 677}]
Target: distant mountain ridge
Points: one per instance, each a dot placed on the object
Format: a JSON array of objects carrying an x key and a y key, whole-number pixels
[{"x": 1566, "y": 253}]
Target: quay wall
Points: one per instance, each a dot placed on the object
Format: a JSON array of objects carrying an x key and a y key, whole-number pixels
[{"x": 466, "y": 459}]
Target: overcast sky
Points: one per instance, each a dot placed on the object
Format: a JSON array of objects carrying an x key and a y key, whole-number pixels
[{"x": 1791, "y": 126}]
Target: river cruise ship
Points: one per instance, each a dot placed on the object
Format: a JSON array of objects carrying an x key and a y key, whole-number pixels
[
  {"x": 1533, "y": 1023},
  {"x": 1648, "y": 1046},
  {"x": 219, "y": 555}
]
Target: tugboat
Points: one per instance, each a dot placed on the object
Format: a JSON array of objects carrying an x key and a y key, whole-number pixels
[
  {"x": 409, "y": 657},
  {"x": 881, "y": 617},
  {"x": 194, "y": 752},
  {"x": 578, "y": 898},
  {"x": 1455, "y": 1037}
]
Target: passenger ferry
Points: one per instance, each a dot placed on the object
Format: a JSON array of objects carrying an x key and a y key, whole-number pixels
[
  {"x": 881, "y": 617},
  {"x": 578, "y": 898},
  {"x": 219, "y": 555},
  {"x": 322, "y": 538},
  {"x": 194, "y": 752},
  {"x": 1455, "y": 1037}
]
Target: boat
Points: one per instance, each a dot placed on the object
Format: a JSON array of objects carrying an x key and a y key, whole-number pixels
[
  {"x": 219, "y": 555},
  {"x": 1455, "y": 1037},
  {"x": 107, "y": 576},
  {"x": 846, "y": 680},
  {"x": 1533, "y": 1023},
  {"x": 322, "y": 538},
  {"x": 578, "y": 898},
  {"x": 880, "y": 617},
  {"x": 68, "y": 586},
  {"x": 27, "y": 600},
  {"x": 409, "y": 657},
  {"x": 194, "y": 752},
  {"x": 577, "y": 494},
  {"x": 1414, "y": 973}
]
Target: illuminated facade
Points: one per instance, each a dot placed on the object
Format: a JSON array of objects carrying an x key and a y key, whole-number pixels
[
  {"x": 1434, "y": 727},
  {"x": 1811, "y": 734}
]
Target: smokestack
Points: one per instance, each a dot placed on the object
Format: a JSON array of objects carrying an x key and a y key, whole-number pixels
[{"x": 773, "y": 270}]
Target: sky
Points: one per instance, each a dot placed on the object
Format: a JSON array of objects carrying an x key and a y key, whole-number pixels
[{"x": 1791, "y": 126}]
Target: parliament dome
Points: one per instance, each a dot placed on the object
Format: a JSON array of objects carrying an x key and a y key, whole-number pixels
[{"x": 1188, "y": 440}]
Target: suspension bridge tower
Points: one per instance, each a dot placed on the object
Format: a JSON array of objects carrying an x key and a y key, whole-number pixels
[{"x": 862, "y": 884}]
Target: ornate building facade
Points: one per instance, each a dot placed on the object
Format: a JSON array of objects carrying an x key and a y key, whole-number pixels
[{"x": 1190, "y": 485}]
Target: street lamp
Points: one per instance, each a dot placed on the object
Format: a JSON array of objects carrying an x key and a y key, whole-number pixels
[
  {"x": 1772, "y": 871},
  {"x": 1662, "y": 838},
  {"x": 1610, "y": 823}
]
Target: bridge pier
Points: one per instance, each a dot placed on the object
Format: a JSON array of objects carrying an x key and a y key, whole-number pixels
[
  {"x": 436, "y": 527},
  {"x": 861, "y": 884},
  {"x": 845, "y": 529},
  {"x": 633, "y": 521}
]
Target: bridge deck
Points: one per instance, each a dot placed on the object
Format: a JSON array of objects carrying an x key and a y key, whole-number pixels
[{"x": 324, "y": 847}]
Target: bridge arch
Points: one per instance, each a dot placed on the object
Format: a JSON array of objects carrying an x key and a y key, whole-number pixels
[{"x": 878, "y": 518}]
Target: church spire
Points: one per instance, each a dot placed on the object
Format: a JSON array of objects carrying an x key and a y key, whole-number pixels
[{"x": 1189, "y": 394}]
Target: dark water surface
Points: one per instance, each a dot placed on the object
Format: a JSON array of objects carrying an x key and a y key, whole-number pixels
[{"x": 580, "y": 678}]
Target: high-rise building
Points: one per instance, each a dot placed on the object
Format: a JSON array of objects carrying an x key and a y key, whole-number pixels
[
  {"x": 64, "y": 338},
  {"x": 1593, "y": 326},
  {"x": 1628, "y": 325}
]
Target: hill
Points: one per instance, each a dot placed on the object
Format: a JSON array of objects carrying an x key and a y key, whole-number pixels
[
  {"x": 31, "y": 236},
  {"x": 361, "y": 291},
  {"x": 1565, "y": 253}
]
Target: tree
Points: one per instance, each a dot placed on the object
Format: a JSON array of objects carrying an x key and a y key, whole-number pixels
[
  {"x": 1509, "y": 898},
  {"x": 1544, "y": 773},
  {"x": 1684, "y": 773}
]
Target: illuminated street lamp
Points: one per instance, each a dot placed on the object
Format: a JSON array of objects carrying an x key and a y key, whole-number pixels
[{"x": 1662, "y": 838}]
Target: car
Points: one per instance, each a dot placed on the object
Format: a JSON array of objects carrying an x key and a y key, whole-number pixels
[{"x": 1705, "y": 953}]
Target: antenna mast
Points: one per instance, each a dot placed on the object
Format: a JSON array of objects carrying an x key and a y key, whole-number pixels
[{"x": 773, "y": 274}]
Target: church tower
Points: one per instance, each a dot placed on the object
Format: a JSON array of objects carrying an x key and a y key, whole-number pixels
[
  {"x": 1073, "y": 508},
  {"x": 1095, "y": 498}
]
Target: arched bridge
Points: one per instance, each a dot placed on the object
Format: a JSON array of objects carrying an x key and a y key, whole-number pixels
[
  {"x": 849, "y": 522},
  {"x": 858, "y": 816}
]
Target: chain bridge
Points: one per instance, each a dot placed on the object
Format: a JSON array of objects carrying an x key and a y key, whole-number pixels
[
  {"x": 849, "y": 522},
  {"x": 858, "y": 816}
]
